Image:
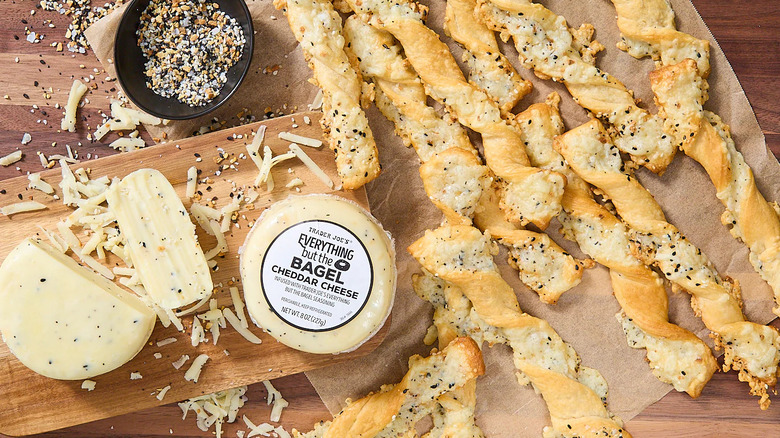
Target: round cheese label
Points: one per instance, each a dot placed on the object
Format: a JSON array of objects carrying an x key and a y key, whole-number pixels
[{"x": 316, "y": 275}]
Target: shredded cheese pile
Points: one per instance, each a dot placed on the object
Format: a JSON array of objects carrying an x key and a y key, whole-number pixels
[{"x": 214, "y": 409}]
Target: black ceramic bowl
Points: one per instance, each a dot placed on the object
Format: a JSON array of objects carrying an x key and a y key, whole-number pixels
[{"x": 129, "y": 62}]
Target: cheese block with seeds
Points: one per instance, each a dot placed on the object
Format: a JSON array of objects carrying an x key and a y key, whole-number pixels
[
  {"x": 161, "y": 239},
  {"x": 63, "y": 320}
]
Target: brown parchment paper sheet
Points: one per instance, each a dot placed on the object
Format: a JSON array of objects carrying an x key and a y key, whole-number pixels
[{"x": 584, "y": 316}]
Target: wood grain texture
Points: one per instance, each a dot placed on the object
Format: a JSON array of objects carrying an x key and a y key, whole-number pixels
[
  {"x": 33, "y": 402},
  {"x": 748, "y": 32}
]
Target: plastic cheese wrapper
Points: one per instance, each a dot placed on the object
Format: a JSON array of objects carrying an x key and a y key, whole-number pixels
[
  {"x": 318, "y": 273},
  {"x": 584, "y": 316}
]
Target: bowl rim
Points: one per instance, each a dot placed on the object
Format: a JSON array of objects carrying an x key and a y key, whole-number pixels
[{"x": 249, "y": 45}]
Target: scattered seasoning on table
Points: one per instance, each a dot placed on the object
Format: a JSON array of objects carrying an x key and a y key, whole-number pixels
[
  {"x": 189, "y": 46},
  {"x": 83, "y": 15}
]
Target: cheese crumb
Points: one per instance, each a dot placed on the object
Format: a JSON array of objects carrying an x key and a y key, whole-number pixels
[
  {"x": 89, "y": 385},
  {"x": 36, "y": 183},
  {"x": 295, "y": 182},
  {"x": 275, "y": 397},
  {"x": 192, "y": 181},
  {"x": 77, "y": 90},
  {"x": 193, "y": 373},
  {"x": 166, "y": 341},
  {"x": 181, "y": 361},
  {"x": 11, "y": 158},
  {"x": 136, "y": 376},
  {"x": 161, "y": 394}
]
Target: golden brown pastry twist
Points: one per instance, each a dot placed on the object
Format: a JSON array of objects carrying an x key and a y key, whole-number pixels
[
  {"x": 454, "y": 415},
  {"x": 396, "y": 409},
  {"x": 461, "y": 257},
  {"x": 647, "y": 28},
  {"x": 454, "y": 179},
  {"x": 317, "y": 27},
  {"x": 547, "y": 45},
  {"x": 676, "y": 355},
  {"x": 529, "y": 194},
  {"x": 681, "y": 90},
  {"x": 488, "y": 68},
  {"x": 752, "y": 349}
]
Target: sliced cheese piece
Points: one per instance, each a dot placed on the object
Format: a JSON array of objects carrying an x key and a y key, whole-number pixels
[
  {"x": 160, "y": 238},
  {"x": 64, "y": 321},
  {"x": 319, "y": 273}
]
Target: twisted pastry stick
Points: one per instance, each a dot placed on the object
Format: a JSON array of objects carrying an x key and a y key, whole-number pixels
[
  {"x": 399, "y": 93},
  {"x": 462, "y": 257},
  {"x": 681, "y": 90},
  {"x": 454, "y": 416},
  {"x": 647, "y": 28},
  {"x": 489, "y": 69},
  {"x": 528, "y": 194},
  {"x": 547, "y": 45},
  {"x": 317, "y": 27},
  {"x": 396, "y": 409},
  {"x": 676, "y": 356},
  {"x": 452, "y": 174},
  {"x": 752, "y": 349}
]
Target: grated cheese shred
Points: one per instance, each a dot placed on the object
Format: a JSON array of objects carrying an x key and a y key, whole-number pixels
[
  {"x": 215, "y": 409},
  {"x": 21, "y": 207},
  {"x": 11, "y": 158},
  {"x": 77, "y": 91},
  {"x": 316, "y": 170},
  {"x": 193, "y": 373},
  {"x": 243, "y": 331},
  {"x": 301, "y": 140},
  {"x": 192, "y": 181}
]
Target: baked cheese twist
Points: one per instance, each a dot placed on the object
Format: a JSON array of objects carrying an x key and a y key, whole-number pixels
[
  {"x": 647, "y": 29},
  {"x": 454, "y": 415},
  {"x": 453, "y": 176},
  {"x": 676, "y": 356},
  {"x": 528, "y": 194},
  {"x": 681, "y": 90},
  {"x": 461, "y": 256},
  {"x": 488, "y": 68},
  {"x": 395, "y": 410},
  {"x": 547, "y": 45},
  {"x": 317, "y": 27},
  {"x": 751, "y": 349}
]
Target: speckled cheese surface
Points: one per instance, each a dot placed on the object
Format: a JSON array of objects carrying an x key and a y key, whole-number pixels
[
  {"x": 64, "y": 321},
  {"x": 161, "y": 239}
]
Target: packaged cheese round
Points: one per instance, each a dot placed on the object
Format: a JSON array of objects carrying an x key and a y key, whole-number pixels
[{"x": 319, "y": 273}]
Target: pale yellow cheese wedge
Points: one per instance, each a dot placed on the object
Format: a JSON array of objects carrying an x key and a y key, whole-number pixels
[
  {"x": 65, "y": 321},
  {"x": 161, "y": 239}
]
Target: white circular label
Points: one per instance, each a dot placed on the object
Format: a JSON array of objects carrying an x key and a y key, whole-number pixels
[{"x": 316, "y": 275}]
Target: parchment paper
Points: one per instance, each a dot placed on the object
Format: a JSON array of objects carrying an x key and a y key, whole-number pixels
[{"x": 584, "y": 316}]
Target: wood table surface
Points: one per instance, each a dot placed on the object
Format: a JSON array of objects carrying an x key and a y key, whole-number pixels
[{"x": 748, "y": 32}]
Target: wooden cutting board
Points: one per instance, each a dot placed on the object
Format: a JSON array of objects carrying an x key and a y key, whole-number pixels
[{"x": 35, "y": 404}]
